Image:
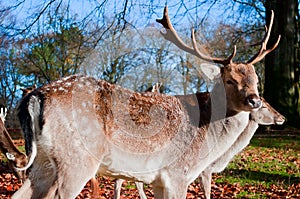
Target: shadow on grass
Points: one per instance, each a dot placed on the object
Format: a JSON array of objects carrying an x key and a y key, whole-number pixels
[
  {"x": 263, "y": 176},
  {"x": 280, "y": 142}
]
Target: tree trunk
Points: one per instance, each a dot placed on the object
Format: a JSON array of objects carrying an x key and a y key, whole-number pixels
[{"x": 281, "y": 74}]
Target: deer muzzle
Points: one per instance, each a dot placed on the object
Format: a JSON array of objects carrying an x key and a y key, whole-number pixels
[{"x": 279, "y": 120}]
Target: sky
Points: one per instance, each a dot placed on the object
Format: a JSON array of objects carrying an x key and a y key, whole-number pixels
[{"x": 141, "y": 12}]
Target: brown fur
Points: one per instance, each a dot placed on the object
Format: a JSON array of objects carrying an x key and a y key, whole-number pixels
[
  {"x": 141, "y": 109},
  {"x": 244, "y": 85}
]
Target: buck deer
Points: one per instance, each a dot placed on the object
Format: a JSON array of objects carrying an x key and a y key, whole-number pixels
[
  {"x": 82, "y": 126},
  {"x": 16, "y": 159}
]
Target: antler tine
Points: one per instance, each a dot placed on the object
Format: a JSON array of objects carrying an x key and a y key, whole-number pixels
[
  {"x": 206, "y": 57},
  {"x": 263, "y": 49},
  {"x": 172, "y": 36},
  {"x": 230, "y": 58}
]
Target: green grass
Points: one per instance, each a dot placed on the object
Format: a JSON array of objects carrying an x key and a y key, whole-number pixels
[
  {"x": 22, "y": 148},
  {"x": 264, "y": 163},
  {"x": 284, "y": 143}
]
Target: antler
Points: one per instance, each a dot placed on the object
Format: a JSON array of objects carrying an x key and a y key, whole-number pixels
[
  {"x": 171, "y": 35},
  {"x": 263, "y": 49}
]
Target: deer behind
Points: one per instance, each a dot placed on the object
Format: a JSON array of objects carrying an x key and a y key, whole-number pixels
[{"x": 266, "y": 115}]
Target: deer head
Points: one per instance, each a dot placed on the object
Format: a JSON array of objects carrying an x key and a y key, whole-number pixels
[
  {"x": 267, "y": 115},
  {"x": 239, "y": 79}
]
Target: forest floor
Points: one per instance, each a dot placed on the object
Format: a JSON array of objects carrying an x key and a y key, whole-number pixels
[{"x": 268, "y": 168}]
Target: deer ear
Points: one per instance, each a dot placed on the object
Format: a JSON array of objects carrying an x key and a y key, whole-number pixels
[{"x": 210, "y": 71}]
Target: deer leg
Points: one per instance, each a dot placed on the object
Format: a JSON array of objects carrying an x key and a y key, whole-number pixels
[
  {"x": 158, "y": 192},
  {"x": 117, "y": 188},
  {"x": 73, "y": 177},
  {"x": 95, "y": 188},
  {"x": 205, "y": 182},
  {"x": 178, "y": 192},
  {"x": 140, "y": 188},
  {"x": 170, "y": 187},
  {"x": 41, "y": 182}
]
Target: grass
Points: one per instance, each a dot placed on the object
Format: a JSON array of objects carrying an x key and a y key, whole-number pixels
[
  {"x": 283, "y": 143},
  {"x": 22, "y": 148},
  {"x": 266, "y": 162}
]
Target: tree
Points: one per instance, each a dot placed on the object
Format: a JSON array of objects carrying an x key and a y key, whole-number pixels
[
  {"x": 49, "y": 55},
  {"x": 281, "y": 66},
  {"x": 9, "y": 79}
]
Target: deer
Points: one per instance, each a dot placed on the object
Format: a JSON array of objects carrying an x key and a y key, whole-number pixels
[
  {"x": 266, "y": 115},
  {"x": 16, "y": 159},
  {"x": 79, "y": 123}
]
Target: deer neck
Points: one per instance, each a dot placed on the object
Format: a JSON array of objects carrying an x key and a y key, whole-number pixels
[
  {"x": 203, "y": 108},
  {"x": 220, "y": 102},
  {"x": 216, "y": 107}
]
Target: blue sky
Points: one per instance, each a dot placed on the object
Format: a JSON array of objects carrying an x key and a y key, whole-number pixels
[{"x": 142, "y": 12}]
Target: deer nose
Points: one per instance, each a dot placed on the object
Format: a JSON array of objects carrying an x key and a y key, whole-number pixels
[{"x": 254, "y": 101}]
